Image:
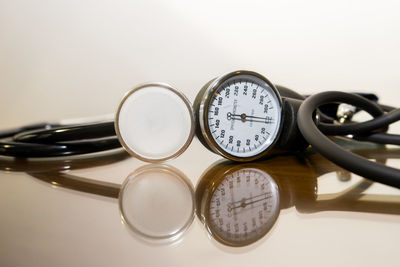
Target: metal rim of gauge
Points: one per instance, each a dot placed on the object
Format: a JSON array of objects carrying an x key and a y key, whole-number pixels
[{"x": 190, "y": 125}]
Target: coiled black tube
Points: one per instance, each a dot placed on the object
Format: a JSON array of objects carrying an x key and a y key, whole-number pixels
[{"x": 325, "y": 146}]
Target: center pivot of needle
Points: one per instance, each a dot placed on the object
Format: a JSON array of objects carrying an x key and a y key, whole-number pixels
[{"x": 243, "y": 117}]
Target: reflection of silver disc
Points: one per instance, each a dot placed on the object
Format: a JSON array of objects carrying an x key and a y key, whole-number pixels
[
  {"x": 155, "y": 122},
  {"x": 157, "y": 202}
]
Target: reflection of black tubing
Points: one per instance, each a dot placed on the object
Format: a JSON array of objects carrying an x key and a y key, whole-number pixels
[
  {"x": 61, "y": 164},
  {"x": 79, "y": 183},
  {"x": 50, "y": 171},
  {"x": 354, "y": 163}
]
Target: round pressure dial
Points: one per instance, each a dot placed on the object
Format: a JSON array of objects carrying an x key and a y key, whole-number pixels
[{"x": 239, "y": 115}]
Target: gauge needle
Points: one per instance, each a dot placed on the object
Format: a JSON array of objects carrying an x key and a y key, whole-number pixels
[
  {"x": 255, "y": 201},
  {"x": 243, "y": 206},
  {"x": 248, "y": 201},
  {"x": 243, "y": 117},
  {"x": 250, "y": 198}
]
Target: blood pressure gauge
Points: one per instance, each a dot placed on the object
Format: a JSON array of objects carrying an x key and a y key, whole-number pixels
[
  {"x": 237, "y": 203},
  {"x": 239, "y": 115}
]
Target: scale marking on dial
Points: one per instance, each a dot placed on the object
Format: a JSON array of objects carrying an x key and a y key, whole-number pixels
[{"x": 244, "y": 112}]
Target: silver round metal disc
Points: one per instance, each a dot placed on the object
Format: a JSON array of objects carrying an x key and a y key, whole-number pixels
[{"x": 155, "y": 122}]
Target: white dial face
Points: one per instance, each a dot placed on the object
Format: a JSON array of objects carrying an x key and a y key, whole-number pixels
[
  {"x": 244, "y": 207},
  {"x": 244, "y": 116}
]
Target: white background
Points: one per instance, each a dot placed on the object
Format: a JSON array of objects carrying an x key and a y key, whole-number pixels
[{"x": 62, "y": 59}]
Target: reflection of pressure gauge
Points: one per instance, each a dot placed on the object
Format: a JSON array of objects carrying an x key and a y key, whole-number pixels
[
  {"x": 239, "y": 115},
  {"x": 238, "y": 204}
]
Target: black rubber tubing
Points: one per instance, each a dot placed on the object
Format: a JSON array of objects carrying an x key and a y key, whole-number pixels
[
  {"x": 380, "y": 138},
  {"x": 363, "y": 127},
  {"x": 67, "y": 133},
  {"x": 35, "y": 150},
  {"x": 326, "y": 147},
  {"x": 52, "y": 140}
]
